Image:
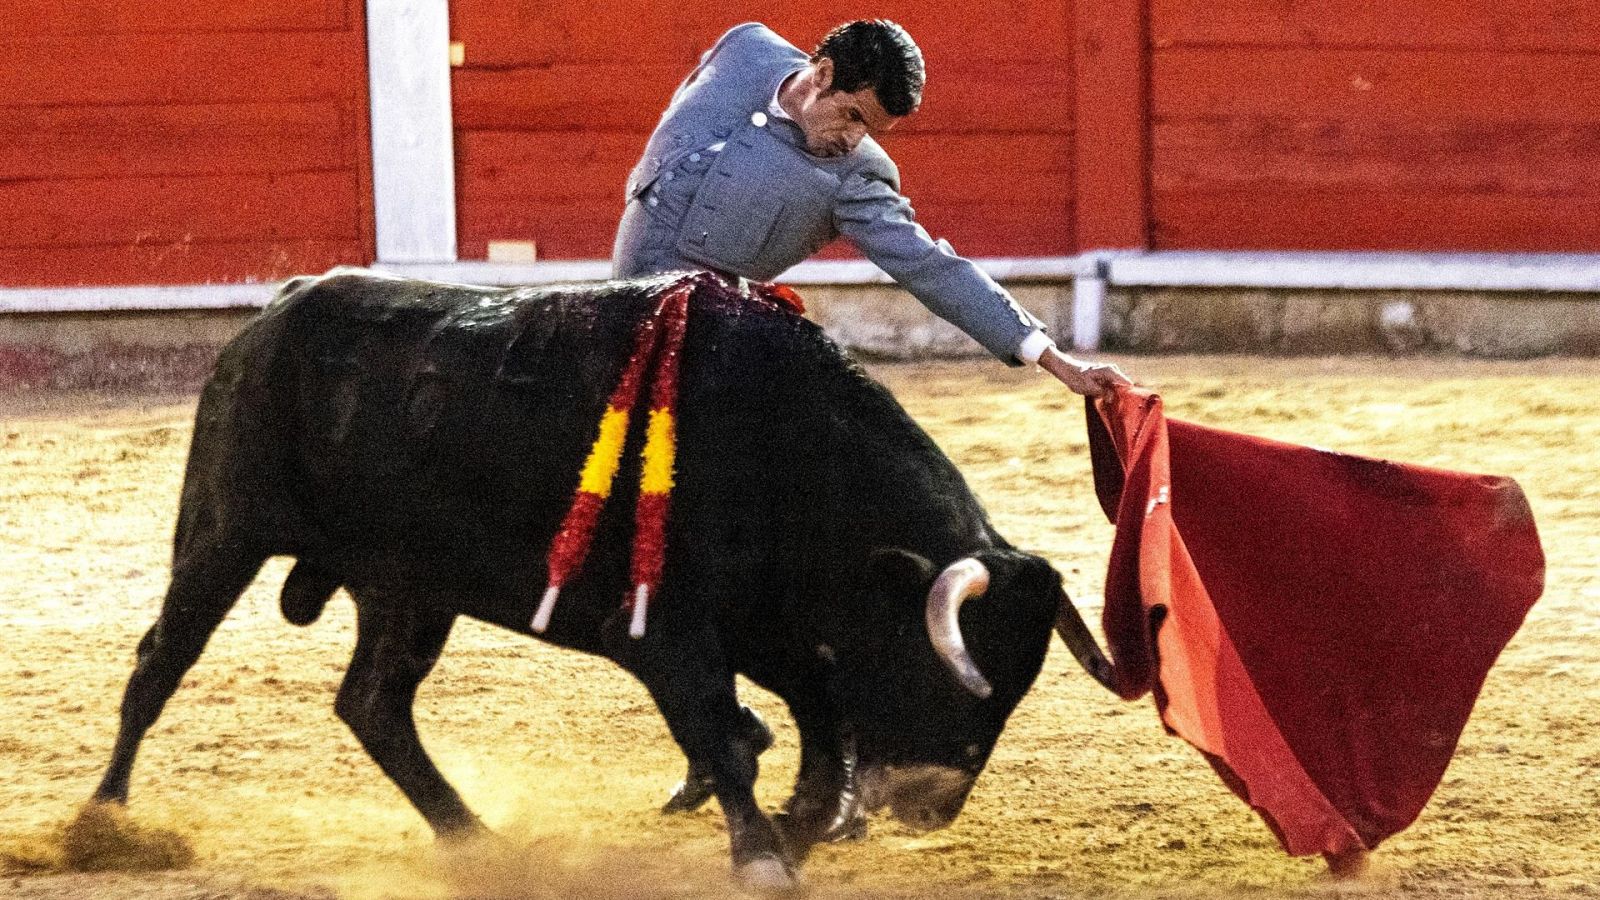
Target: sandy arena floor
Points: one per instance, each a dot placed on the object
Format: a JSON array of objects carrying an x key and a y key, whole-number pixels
[{"x": 566, "y": 756}]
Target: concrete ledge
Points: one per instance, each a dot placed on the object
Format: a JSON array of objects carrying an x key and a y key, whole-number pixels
[
  {"x": 1296, "y": 321},
  {"x": 173, "y": 349},
  {"x": 1565, "y": 272},
  {"x": 882, "y": 321}
]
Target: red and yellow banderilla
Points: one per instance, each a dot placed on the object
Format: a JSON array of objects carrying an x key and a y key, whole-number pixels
[{"x": 659, "y": 340}]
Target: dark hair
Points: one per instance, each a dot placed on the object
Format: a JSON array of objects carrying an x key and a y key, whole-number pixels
[{"x": 879, "y": 54}]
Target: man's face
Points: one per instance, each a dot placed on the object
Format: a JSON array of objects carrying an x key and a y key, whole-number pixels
[{"x": 834, "y": 122}]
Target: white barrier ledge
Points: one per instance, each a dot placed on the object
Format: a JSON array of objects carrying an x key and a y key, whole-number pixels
[
  {"x": 1530, "y": 272},
  {"x": 228, "y": 296},
  {"x": 154, "y": 297},
  {"x": 822, "y": 271},
  {"x": 1359, "y": 271},
  {"x": 469, "y": 272}
]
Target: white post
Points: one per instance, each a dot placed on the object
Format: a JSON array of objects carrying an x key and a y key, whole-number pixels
[
  {"x": 1088, "y": 298},
  {"x": 413, "y": 154}
]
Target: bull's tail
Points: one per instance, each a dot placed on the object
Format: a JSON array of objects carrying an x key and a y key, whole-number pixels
[{"x": 305, "y": 592}]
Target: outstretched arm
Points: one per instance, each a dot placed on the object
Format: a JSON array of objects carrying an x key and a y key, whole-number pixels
[{"x": 880, "y": 222}]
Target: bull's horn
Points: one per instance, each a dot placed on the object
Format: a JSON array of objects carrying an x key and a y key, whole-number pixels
[
  {"x": 960, "y": 581},
  {"x": 1084, "y": 649}
]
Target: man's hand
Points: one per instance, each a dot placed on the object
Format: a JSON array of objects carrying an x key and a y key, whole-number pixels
[{"x": 1089, "y": 379}]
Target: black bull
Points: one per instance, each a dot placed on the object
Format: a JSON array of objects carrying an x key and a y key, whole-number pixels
[{"x": 418, "y": 444}]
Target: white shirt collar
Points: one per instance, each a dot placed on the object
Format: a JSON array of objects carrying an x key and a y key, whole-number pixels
[{"x": 774, "y": 109}]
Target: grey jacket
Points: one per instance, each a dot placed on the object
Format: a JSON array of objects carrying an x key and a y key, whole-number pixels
[{"x": 722, "y": 185}]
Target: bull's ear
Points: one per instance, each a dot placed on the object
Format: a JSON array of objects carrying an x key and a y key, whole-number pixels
[{"x": 896, "y": 570}]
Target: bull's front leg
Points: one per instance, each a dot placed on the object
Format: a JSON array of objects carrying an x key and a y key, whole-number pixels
[
  {"x": 697, "y": 785},
  {"x": 826, "y": 804},
  {"x": 692, "y": 685}
]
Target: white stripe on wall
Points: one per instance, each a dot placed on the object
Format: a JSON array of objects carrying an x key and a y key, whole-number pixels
[{"x": 413, "y": 153}]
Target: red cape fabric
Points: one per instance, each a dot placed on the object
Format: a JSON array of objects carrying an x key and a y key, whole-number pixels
[{"x": 1318, "y": 625}]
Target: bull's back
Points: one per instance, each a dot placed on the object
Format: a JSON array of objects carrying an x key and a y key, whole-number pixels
[
  {"x": 420, "y": 435},
  {"x": 434, "y": 434}
]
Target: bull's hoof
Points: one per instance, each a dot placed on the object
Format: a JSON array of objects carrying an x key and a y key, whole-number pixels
[
  {"x": 801, "y": 834},
  {"x": 767, "y": 874},
  {"x": 851, "y": 828},
  {"x": 690, "y": 794}
]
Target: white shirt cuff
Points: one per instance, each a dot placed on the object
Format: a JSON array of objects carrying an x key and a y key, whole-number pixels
[{"x": 1034, "y": 346}]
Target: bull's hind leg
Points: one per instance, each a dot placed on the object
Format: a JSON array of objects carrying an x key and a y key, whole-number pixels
[
  {"x": 397, "y": 643},
  {"x": 205, "y": 585}
]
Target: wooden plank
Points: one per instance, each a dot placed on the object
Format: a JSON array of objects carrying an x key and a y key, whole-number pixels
[
  {"x": 1041, "y": 228},
  {"x": 1011, "y": 30},
  {"x": 678, "y": 31},
  {"x": 1028, "y": 169},
  {"x": 619, "y": 97},
  {"x": 174, "y": 263},
  {"x": 110, "y": 141},
  {"x": 976, "y": 230},
  {"x": 973, "y": 97},
  {"x": 578, "y": 229},
  {"x": 30, "y": 17},
  {"x": 1352, "y": 85},
  {"x": 1111, "y": 111},
  {"x": 604, "y": 97},
  {"x": 200, "y": 68},
  {"x": 175, "y": 210},
  {"x": 568, "y": 165},
  {"x": 545, "y": 165},
  {"x": 1495, "y": 25},
  {"x": 1528, "y": 160},
  {"x": 563, "y": 189},
  {"x": 584, "y": 229},
  {"x": 1295, "y": 219},
  {"x": 567, "y": 32}
]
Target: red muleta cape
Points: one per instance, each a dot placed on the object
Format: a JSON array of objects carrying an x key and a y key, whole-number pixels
[{"x": 1318, "y": 625}]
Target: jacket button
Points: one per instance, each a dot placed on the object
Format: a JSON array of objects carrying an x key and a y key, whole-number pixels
[
  {"x": 694, "y": 157},
  {"x": 654, "y": 201},
  {"x": 758, "y": 119}
]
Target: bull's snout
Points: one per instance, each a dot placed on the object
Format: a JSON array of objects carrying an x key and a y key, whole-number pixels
[{"x": 924, "y": 797}]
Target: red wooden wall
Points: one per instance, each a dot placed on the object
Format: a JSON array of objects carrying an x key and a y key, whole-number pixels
[
  {"x": 1360, "y": 124},
  {"x": 173, "y": 141},
  {"x": 169, "y": 141},
  {"x": 556, "y": 99}
]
